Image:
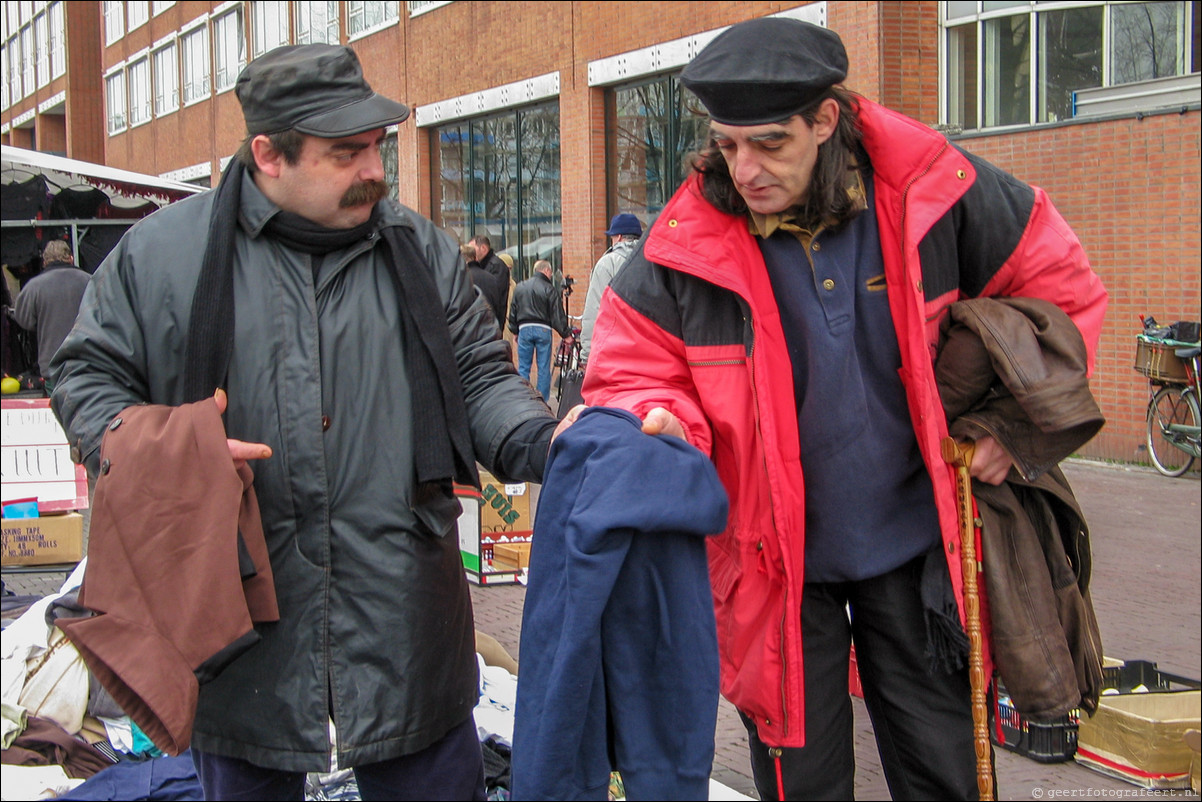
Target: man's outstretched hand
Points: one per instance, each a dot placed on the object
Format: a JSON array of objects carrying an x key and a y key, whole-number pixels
[{"x": 240, "y": 450}]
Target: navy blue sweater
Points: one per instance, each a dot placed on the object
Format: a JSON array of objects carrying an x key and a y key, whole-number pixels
[{"x": 618, "y": 651}]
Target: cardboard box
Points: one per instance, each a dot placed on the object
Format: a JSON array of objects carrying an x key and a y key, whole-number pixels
[
  {"x": 1193, "y": 739},
  {"x": 506, "y": 509},
  {"x": 48, "y": 540},
  {"x": 1140, "y": 737},
  {"x": 511, "y": 556},
  {"x": 477, "y": 546}
]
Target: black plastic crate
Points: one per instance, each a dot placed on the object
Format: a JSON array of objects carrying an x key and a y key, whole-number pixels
[
  {"x": 1056, "y": 741},
  {"x": 1134, "y": 673},
  {"x": 1050, "y": 742}
]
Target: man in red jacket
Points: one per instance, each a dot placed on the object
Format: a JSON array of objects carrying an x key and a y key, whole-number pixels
[{"x": 782, "y": 315}]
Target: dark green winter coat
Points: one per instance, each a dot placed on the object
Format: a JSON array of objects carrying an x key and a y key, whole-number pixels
[{"x": 376, "y": 622}]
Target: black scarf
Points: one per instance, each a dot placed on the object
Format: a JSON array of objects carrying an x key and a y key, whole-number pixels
[{"x": 442, "y": 441}]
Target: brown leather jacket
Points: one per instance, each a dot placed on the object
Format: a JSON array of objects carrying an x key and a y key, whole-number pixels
[{"x": 1015, "y": 369}]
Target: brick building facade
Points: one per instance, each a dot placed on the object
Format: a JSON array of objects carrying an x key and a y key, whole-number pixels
[{"x": 526, "y": 122}]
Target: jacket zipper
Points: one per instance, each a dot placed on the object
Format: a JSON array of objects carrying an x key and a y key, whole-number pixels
[
  {"x": 784, "y": 675},
  {"x": 717, "y": 363}
]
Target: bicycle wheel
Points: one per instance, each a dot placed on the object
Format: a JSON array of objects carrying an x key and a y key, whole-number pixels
[{"x": 1172, "y": 405}]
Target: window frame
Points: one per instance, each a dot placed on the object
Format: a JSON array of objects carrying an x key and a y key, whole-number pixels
[
  {"x": 224, "y": 24},
  {"x": 156, "y": 53},
  {"x": 56, "y": 25},
  {"x": 146, "y": 104},
  {"x": 303, "y": 10},
  {"x": 282, "y": 24},
  {"x": 391, "y": 15},
  {"x": 186, "y": 37},
  {"x": 953, "y": 80},
  {"x": 115, "y": 123},
  {"x": 132, "y": 21},
  {"x": 114, "y": 21}
]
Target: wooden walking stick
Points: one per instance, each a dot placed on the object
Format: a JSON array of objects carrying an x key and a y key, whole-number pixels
[{"x": 959, "y": 455}]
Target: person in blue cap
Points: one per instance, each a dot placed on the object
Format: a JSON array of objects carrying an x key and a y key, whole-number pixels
[
  {"x": 782, "y": 314},
  {"x": 623, "y": 232}
]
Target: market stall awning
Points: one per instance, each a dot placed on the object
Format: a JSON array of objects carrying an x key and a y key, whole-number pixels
[{"x": 124, "y": 187}]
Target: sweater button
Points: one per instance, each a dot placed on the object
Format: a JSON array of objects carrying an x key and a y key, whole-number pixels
[
  {"x": 325, "y": 423},
  {"x": 105, "y": 467},
  {"x": 828, "y": 284},
  {"x": 116, "y": 422}
]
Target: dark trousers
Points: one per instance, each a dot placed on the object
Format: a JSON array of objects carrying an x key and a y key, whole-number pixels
[
  {"x": 922, "y": 721},
  {"x": 450, "y": 769}
]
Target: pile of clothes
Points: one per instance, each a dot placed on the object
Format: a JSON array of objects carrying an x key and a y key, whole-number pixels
[{"x": 65, "y": 738}]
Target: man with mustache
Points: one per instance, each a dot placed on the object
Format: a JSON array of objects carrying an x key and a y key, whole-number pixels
[{"x": 364, "y": 376}]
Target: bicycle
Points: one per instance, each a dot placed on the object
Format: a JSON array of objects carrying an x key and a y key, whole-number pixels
[
  {"x": 567, "y": 358},
  {"x": 1172, "y": 437}
]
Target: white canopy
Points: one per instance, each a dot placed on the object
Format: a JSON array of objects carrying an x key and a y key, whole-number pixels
[{"x": 124, "y": 187}]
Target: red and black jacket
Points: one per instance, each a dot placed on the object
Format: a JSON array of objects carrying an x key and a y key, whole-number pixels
[{"x": 691, "y": 324}]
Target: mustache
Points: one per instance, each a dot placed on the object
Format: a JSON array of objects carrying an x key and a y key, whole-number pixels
[{"x": 363, "y": 194}]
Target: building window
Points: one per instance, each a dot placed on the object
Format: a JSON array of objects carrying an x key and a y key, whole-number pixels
[
  {"x": 29, "y": 54},
  {"x": 419, "y": 7},
  {"x": 114, "y": 21},
  {"x": 5, "y": 102},
  {"x": 390, "y": 157},
  {"x": 367, "y": 15},
  {"x": 194, "y": 53},
  {"x": 1016, "y": 63},
  {"x": 139, "y": 92},
  {"x": 316, "y": 23},
  {"x": 58, "y": 39},
  {"x": 138, "y": 11},
  {"x": 499, "y": 176},
  {"x": 1149, "y": 40},
  {"x": 229, "y": 50},
  {"x": 269, "y": 25},
  {"x": 41, "y": 38},
  {"x": 166, "y": 80},
  {"x": 12, "y": 67},
  {"x": 115, "y": 95},
  {"x": 650, "y": 129},
  {"x": 159, "y": 6}
]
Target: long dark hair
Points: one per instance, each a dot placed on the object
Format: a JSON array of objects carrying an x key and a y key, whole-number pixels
[{"x": 827, "y": 198}]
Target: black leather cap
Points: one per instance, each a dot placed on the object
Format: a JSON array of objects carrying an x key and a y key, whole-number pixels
[
  {"x": 765, "y": 70},
  {"x": 315, "y": 89}
]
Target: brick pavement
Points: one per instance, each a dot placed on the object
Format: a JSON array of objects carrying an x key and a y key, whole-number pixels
[{"x": 1146, "y": 548}]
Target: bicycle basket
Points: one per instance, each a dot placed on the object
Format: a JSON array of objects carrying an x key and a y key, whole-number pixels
[{"x": 1158, "y": 361}]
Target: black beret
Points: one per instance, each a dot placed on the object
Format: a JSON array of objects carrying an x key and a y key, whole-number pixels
[
  {"x": 315, "y": 89},
  {"x": 765, "y": 70}
]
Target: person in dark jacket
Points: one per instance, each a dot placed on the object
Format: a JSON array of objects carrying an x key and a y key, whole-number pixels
[
  {"x": 782, "y": 315},
  {"x": 491, "y": 286},
  {"x": 49, "y": 303},
  {"x": 536, "y": 311},
  {"x": 364, "y": 376},
  {"x": 492, "y": 262}
]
